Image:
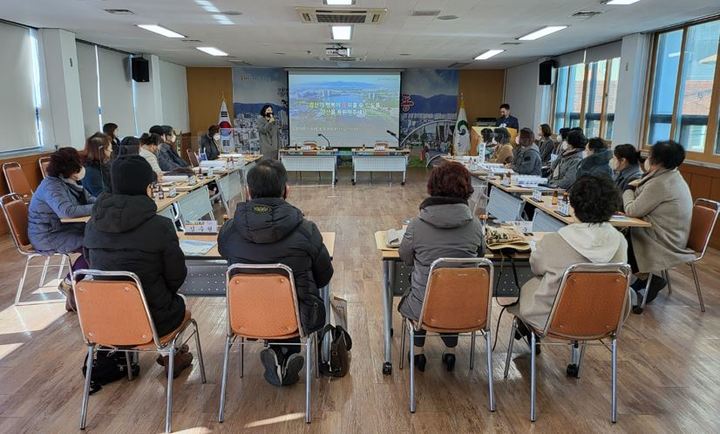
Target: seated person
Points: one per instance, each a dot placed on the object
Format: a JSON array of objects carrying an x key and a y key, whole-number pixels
[
  {"x": 129, "y": 145},
  {"x": 60, "y": 195},
  {"x": 593, "y": 239},
  {"x": 503, "y": 153},
  {"x": 126, "y": 233},
  {"x": 597, "y": 159},
  {"x": 546, "y": 144},
  {"x": 167, "y": 155},
  {"x": 625, "y": 165},
  {"x": 444, "y": 228},
  {"x": 527, "y": 161},
  {"x": 209, "y": 143},
  {"x": 268, "y": 230},
  {"x": 564, "y": 168},
  {"x": 96, "y": 157},
  {"x": 149, "y": 144},
  {"x": 487, "y": 139},
  {"x": 662, "y": 197},
  {"x": 561, "y": 144}
]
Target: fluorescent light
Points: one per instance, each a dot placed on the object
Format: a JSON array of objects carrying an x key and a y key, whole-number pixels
[
  {"x": 621, "y": 2},
  {"x": 488, "y": 54},
  {"x": 209, "y": 7},
  {"x": 223, "y": 19},
  {"x": 341, "y": 33},
  {"x": 339, "y": 2},
  {"x": 212, "y": 51},
  {"x": 537, "y": 34},
  {"x": 160, "y": 30}
]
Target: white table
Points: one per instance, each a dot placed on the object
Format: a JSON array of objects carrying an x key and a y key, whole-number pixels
[
  {"x": 310, "y": 161},
  {"x": 380, "y": 161}
]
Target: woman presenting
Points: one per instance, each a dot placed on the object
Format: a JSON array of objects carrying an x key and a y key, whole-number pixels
[{"x": 269, "y": 133}]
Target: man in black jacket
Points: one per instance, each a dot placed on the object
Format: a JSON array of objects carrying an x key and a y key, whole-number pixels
[
  {"x": 266, "y": 230},
  {"x": 125, "y": 233}
]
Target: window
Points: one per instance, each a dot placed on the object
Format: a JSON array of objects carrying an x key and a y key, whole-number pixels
[
  {"x": 594, "y": 97},
  {"x": 611, "y": 97},
  {"x": 683, "y": 95},
  {"x": 561, "y": 84},
  {"x": 575, "y": 95}
]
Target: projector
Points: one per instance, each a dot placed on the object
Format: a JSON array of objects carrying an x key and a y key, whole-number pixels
[{"x": 337, "y": 51}]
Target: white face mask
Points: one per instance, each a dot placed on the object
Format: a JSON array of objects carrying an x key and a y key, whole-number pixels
[
  {"x": 565, "y": 146},
  {"x": 585, "y": 154},
  {"x": 647, "y": 165},
  {"x": 216, "y": 137},
  {"x": 80, "y": 175}
]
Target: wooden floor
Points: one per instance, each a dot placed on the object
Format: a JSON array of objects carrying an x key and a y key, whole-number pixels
[{"x": 669, "y": 357}]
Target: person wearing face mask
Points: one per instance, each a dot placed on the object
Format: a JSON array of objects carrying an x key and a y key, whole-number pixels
[
  {"x": 59, "y": 196},
  {"x": 269, "y": 133},
  {"x": 527, "y": 161},
  {"x": 96, "y": 158},
  {"x": 662, "y": 197},
  {"x": 125, "y": 233},
  {"x": 625, "y": 165},
  {"x": 209, "y": 143},
  {"x": 167, "y": 155},
  {"x": 596, "y": 159},
  {"x": 564, "y": 168}
]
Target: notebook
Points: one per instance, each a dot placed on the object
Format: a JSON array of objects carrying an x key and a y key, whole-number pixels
[{"x": 393, "y": 237}]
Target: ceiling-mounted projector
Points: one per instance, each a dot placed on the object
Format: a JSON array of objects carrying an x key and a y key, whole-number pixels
[{"x": 338, "y": 51}]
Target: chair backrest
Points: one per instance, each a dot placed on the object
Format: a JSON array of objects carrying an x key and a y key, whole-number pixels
[
  {"x": 195, "y": 205},
  {"x": 704, "y": 216},
  {"x": 458, "y": 295},
  {"x": 231, "y": 188},
  {"x": 192, "y": 157},
  {"x": 112, "y": 309},
  {"x": 503, "y": 206},
  {"x": 43, "y": 162},
  {"x": 591, "y": 302},
  {"x": 16, "y": 180},
  {"x": 261, "y": 301},
  {"x": 16, "y": 215}
]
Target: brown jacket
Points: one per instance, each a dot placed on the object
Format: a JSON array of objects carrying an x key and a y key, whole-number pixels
[{"x": 503, "y": 154}]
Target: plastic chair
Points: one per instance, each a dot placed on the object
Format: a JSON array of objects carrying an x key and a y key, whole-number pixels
[
  {"x": 196, "y": 205},
  {"x": 113, "y": 313},
  {"x": 230, "y": 187},
  {"x": 458, "y": 299},
  {"x": 590, "y": 305},
  {"x": 16, "y": 180},
  {"x": 15, "y": 211},
  {"x": 43, "y": 162},
  {"x": 262, "y": 305},
  {"x": 192, "y": 158}
]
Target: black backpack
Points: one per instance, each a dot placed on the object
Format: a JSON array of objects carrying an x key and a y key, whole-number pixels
[
  {"x": 338, "y": 359},
  {"x": 107, "y": 368}
]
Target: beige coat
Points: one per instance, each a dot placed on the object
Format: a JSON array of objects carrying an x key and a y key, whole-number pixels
[
  {"x": 503, "y": 154},
  {"x": 549, "y": 260},
  {"x": 664, "y": 200}
]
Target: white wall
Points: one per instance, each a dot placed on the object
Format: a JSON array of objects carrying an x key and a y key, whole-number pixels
[
  {"x": 148, "y": 99},
  {"x": 528, "y": 101},
  {"x": 173, "y": 88}
]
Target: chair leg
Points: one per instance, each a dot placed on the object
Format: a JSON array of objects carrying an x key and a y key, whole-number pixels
[
  {"x": 43, "y": 275},
  {"x": 61, "y": 267},
  {"x": 308, "y": 374},
  {"x": 488, "y": 350},
  {"x": 580, "y": 358},
  {"x": 86, "y": 387},
  {"x": 129, "y": 365},
  {"x": 647, "y": 289},
  {"x": 613, "y": 395},
  {"x": 533, "y": 388},
  {"x": 316, "y": 356},
  {"x": 402, "y": 345},
  {"x": 242, "y": 357},
  {"x": 667, "y": 279},
  {"x": 21, "y": 284},
  {"x": 508, "y": 359},
  {"x": 199, "y": 350},
  {"x": 168, "y": 398},
  {"x": 223, "y": 383},
  {"x": 472, "y": 350},
  {"x": 697, "y": 287},
  {"x": 411, "y": 339}
]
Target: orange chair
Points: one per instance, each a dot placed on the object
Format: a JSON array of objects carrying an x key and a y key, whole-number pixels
[
  {"x": 43, "y": 162},
  {"x": 113, "y": 313},
  {"x": 704, "y": 216},
  {"x": 458, "y": 299},
  {"x": 16, "y": 215},
  {"x": 17, "y": 181},
  {"x": 262, "y": 305},
  {"x": 192, "y": 157},
  {"x": 591, "y": 305}
]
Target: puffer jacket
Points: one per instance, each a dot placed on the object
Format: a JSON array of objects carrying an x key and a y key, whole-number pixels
[
  {"x": 169, "y": 160},
  {"x": 597, "y": 164},
  {"x": 563, "y": 171}
]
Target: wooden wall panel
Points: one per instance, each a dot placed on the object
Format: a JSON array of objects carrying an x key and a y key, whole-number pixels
[
  {"x": 704, "y": 183},
  {"x": 29, "y": 164},
  {"x": 483, "y": 91},
  {"x": 206, "y": 88}
]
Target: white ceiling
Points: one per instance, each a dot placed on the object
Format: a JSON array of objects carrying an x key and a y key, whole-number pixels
[{"x": 268, "y": 27}]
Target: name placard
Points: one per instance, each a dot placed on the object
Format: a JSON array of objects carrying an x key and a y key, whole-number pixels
[
  {"x": 537, "y": 195},
  {"x": 201, "y": 227}
]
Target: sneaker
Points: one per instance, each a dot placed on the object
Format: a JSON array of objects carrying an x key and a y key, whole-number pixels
[
  {"x": 273, "y": 371},
  {"x": 65, "y": 288},
  {"x": 291, "y": 371}
]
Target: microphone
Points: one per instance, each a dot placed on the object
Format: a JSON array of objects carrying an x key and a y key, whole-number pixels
[
  {"x": 326, "y": 139},
  {"x": 391, "y": 133}
]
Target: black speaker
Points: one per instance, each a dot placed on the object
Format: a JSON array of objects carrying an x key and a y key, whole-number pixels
[
  {"x": 140, "y": 70},
  {"x": 546, "y": 70}
]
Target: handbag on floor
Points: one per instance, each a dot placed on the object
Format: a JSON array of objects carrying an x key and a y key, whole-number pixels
[
  {"x": 338, "y": 358},
  {"x": 107, "y": 368}
]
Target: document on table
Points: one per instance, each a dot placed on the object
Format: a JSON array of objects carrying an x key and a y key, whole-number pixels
[
  {"x": 196, "y": 247},
  {"x": 393, "y": 237}
]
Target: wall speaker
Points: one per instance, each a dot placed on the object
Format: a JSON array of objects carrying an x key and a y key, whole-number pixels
[
  {"x": 546, "y": 70},
  {"x": 140, "y": 70}
]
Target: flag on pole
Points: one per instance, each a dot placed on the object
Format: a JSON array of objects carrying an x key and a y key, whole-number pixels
[
  {"x": 461, "y": 138},
  {"x": 226, "y": 129}
]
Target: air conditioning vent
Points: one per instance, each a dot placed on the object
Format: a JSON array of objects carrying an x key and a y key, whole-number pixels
[
  {"x": 585, "y": 14},
  {"x": 425, "y": 13},
  {"x": 458, "y": 65},
  {"x": 191, "y": 40},
  {"x": 342, "y": 59},
  {"x": 341, "y": 16},
  {"x": 120, "y": 11},
  {"x": 511, "y": 43}
]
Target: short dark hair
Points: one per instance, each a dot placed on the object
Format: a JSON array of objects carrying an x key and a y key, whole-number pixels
[
  {"x": 668, "y": 153},
  {"x": 505, "y": 106},
  {"x": 564, "y": 133},
  {"x": 265, "y": 107},
  {"x": 95, "y": 146},
  {"x": 546, "y": 130},
  {"x": 527, "y": 137},
  {"x": 64, "y": 162},
  {"x": 597, "y": 144},
  {"x": 109, "y": 128},
  {"x": 487, "y": 135},
  {"x": 267, "y": 179},
  {"x": 502, "y": 135},
  {"x": 168, "y": 130},
  {"x": 576, "y": 139},
  {"x": 628, "y": 152},
  {"x": 157, "y": 129},
  {"x": 594, "y": 199},
  {"x": 213, "y": 129},
  {"x": 150, "y": 139},
  {"x": 450, "y": 179}
]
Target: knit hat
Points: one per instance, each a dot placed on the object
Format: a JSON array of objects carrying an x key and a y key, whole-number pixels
[{"x": 131, "y": 175}]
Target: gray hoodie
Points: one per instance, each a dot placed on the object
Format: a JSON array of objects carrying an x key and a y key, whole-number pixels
[
  {"x": 528, "y": 161},
  {"x": 444, "y": 228}
]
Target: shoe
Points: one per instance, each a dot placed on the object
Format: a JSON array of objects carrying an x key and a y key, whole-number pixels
[
  {"x": 291, "y": 371},
  {"x": 420, "y": 361},
  {"x": 521, "y": 331},
  {"x": 657, "y": 284},
  {"x": 162, "y": 360},
  {"x": 639, "y": 285},
  {"x": 448, "y": 360},
  {"x": 65, "y": 288},
  {"x": 273, "y": 371},
  {"x": 182, "y": 361}
]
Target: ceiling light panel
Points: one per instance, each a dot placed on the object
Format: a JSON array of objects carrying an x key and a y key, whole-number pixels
[
  {"x": 537, "y": 34},
  {"x": 488, "y": 54},
  {"x": 341, "y": 33},
  {"x": 160, "y": 30},
  {"x": 212, "y": 51}
]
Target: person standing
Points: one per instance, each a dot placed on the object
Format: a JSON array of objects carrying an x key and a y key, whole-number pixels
[
  {"x": 269, "y": 133},
  {"x": 506, "y": 119}
]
